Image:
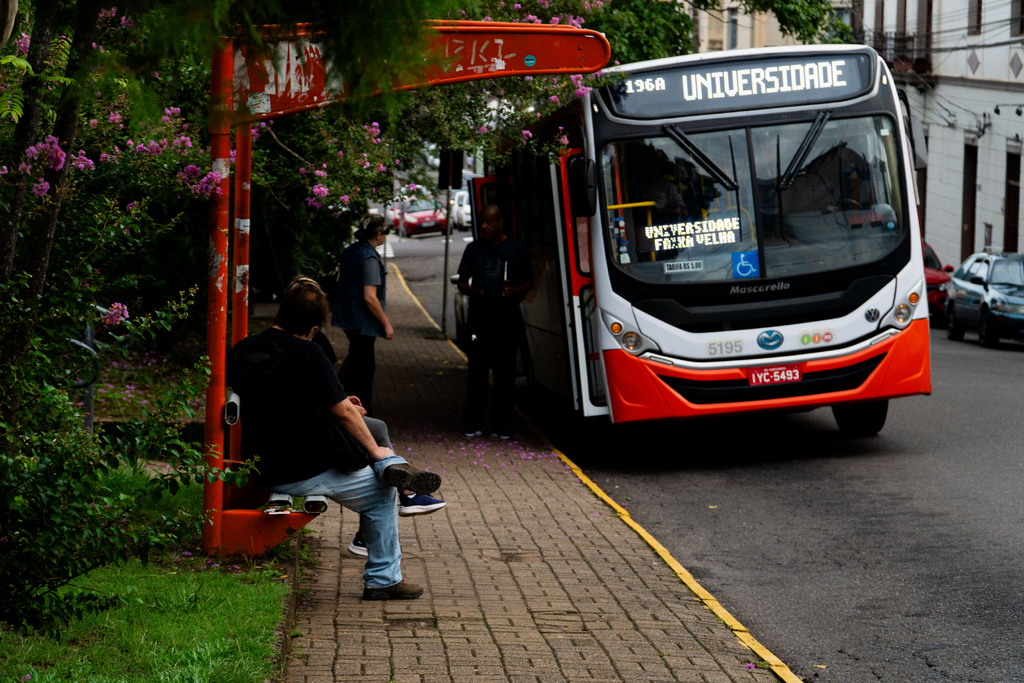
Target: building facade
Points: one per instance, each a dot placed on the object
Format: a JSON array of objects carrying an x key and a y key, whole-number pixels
[{"x": 961, "y": 62}]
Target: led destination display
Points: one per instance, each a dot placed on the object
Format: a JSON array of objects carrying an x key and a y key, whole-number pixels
[{"x": 703, "y": 88}]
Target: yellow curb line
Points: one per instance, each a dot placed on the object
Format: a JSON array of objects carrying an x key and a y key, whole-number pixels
[{"x": 741, "y": 632}]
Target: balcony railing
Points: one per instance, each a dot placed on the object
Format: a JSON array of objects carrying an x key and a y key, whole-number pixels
[{"x": 903, "y": 51}]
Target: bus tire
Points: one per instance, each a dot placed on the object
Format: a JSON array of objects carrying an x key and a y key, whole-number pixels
[
  {"x": 954, "y": 330},
  {"x": 861, "y": 419}
]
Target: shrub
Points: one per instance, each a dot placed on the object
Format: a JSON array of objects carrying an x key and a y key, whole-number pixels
[{"x": 71, "y": 501}]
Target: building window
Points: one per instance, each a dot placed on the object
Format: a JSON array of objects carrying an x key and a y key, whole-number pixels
[
  {"x": 974, "y": 17},
  {"x": 969, "y": 199},
  {"x": 1017, "y": 18},
  {"x": 1011, "y": 209}
]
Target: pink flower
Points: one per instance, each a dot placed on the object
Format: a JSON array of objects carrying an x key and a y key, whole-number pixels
[
  {"x": 81, "y": 162},
  {"x": 41, "y": 188},
  {"x": 526, "y": 135},
  {"x": 116, "y": 314},
  {"x": 48, "y": 152}
]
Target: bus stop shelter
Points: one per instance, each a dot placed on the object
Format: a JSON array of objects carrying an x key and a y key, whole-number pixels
[{"x": 285, "y": 75}]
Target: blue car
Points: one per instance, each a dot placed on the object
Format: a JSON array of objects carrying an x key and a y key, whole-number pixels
[{"x": 986, "y": 293}]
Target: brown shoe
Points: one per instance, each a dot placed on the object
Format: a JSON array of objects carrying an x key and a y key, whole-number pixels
[
  {"x": 400, "y": 591},
  {"x": 405, "y": 477}
]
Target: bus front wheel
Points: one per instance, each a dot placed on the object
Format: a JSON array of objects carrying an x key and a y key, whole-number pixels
[{"x": 861, "y": 419}]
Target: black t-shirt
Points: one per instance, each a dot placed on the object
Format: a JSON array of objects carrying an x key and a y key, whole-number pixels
[
  {"x": 283, "y": 382},
  {"x": 484, "y": 265}
]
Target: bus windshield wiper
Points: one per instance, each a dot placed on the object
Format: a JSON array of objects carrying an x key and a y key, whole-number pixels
[
  {"x": 805, "y": 147},
  {"x": 720, "y": 176}
]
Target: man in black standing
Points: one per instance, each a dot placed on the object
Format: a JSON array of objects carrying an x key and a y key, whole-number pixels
[{"x": 496, "y": 274}]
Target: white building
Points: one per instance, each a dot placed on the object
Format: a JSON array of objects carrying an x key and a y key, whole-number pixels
[{"x": 963, "y": 63}]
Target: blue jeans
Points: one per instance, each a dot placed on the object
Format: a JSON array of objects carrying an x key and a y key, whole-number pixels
[{"x": 364, "y": 492}]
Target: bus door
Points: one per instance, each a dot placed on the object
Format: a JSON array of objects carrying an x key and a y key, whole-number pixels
[
  {"x": 583, "y": 318},
  {"x": 555, "y": 357}
]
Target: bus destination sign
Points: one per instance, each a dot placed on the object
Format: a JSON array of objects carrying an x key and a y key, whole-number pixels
[{"x": 701, "y": 88}]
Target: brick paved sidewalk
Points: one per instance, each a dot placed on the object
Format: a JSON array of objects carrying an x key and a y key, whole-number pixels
[{"x": 529, "y": 576}]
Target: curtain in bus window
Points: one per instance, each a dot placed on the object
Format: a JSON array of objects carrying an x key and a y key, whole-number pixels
[
  {"x": 678, "y": 215},
  {"x": 833, "y": 204}
]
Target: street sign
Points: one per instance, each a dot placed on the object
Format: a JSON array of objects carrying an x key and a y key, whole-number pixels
[{"x": 289, "y": 74}]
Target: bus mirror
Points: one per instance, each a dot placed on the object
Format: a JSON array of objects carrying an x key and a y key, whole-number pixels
[{"x": 582, "y": 186}]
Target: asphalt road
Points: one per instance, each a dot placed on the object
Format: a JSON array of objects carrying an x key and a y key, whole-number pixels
[{"x": 895, "y": 558}]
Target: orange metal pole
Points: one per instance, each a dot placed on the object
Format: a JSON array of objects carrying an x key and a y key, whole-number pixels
[
  {"x": 216, "y": 306},
  {"x": 240, "y": 256}
]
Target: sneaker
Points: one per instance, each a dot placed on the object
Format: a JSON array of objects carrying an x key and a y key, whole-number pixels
[
  {"x": 502, "y": 434},
  {"x": 279, "y": 504},
  {"x": 418, "y": 504},
  {"x": 405, "y": 477},
  {"x": 358, "y": 546},
  {"x": 400, "y": 591},
  {"x": 469, "y": 432},
  {"x": 315, "y": 505}
]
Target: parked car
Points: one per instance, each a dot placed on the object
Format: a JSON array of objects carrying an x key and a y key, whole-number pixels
[
  {"x": 462, "y": 215},
  {"x": 419, "y": 216},
  {"x": 986, "y": 293},
  {"x": 936, "y": 276}
]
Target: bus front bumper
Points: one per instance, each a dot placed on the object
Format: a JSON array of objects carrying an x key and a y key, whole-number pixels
[{"x": 641, "y": 389}]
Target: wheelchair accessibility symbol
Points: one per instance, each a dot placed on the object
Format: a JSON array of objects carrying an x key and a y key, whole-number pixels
[{"x": 744, "y": 264}]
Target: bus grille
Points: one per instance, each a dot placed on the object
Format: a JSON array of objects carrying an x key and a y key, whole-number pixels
[{"x": 735, "y": 391}]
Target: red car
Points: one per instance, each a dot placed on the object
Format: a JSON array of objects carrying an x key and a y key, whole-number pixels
[
  {"x": 936, "y": 276},
  {"x": 419, "y": 216}
]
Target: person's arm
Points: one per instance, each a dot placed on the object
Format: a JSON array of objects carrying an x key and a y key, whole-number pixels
[
  {"x": 464, "y": 271},
  {"x": 351, "y": 418},
  {"x": 468, "y": 290},
  {"x": 373, "y": 303},
  {"x": 519, "y": 290}
]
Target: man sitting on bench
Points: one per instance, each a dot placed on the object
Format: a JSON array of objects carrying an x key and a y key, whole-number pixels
[{"x": 311, "y": 439}]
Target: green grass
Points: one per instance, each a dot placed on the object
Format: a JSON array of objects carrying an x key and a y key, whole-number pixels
[{"x": 188, "y": 619}]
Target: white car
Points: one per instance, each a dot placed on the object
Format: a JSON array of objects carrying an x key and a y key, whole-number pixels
[{"x": 462, "y": 215}]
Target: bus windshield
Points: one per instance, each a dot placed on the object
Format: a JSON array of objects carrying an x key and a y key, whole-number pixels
[{"x": 760, "y": 202}]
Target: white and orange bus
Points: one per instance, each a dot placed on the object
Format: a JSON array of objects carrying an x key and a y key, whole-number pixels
[{"x": 728, "y": 232}]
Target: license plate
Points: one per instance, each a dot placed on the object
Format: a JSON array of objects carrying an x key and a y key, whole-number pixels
[{"x": 776, "y": 374}]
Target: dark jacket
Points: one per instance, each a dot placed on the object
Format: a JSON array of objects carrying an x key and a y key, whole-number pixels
[{"x": 350, "y": 311}]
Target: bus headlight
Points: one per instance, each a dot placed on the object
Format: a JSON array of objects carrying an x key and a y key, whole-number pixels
[
  {"x": 902, "y": 314},
  {"x": 632, "y": 342}
]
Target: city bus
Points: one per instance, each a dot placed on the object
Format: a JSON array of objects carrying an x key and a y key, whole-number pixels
[{"x": 725, "y": 233}]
